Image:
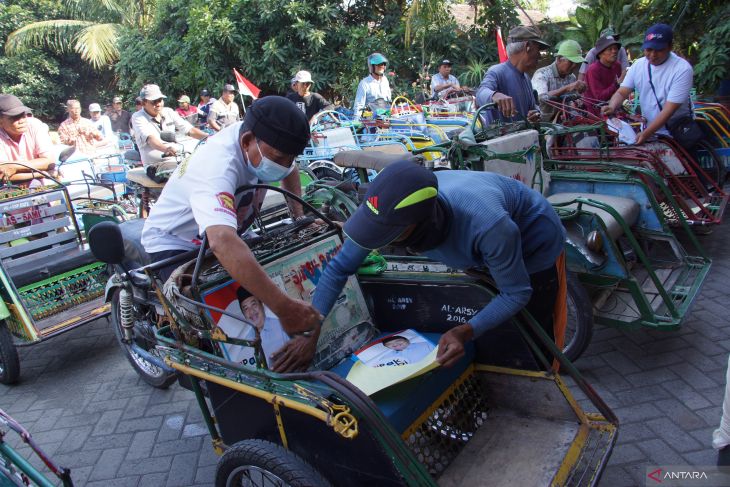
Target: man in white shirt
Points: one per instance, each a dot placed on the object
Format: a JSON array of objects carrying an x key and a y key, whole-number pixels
[
  {"x": 224, "y": 111},
  {"x": 153, "y": 119},
  {"x": 150, "y": 122},
  {"x": 663, "y": 81},
  {"x": 443, "y": 81},
  {"x": 103, "y": 124},
  {"x": 200, "y": 198},
  {"x": 374, "y": 86}
]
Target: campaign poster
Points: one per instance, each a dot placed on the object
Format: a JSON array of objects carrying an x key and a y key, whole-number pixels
[{"x": 402, "y": 348}]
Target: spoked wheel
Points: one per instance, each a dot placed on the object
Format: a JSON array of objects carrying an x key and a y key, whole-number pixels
[
  {"x": 258, "y": 463},
  {"x": 712, "y": 164},
  {"x": 150, "y": 373},
  {"x": 9, "y": 362},
  {"x": 579, "y": 330}
]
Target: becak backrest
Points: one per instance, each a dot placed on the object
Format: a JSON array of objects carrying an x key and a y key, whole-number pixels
[{"x": 345, "y": 329}]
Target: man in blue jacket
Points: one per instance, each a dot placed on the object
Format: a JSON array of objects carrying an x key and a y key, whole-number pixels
[{"x": 464, "y": 219}]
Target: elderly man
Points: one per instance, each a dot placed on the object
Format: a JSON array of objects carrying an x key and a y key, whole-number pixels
[
  {"x": 150, "y": 122},
  {"x": 309, "y": 102},
  {"x": 557, "y": 79},
  {"x": 603, "y": 77},
  {"x": 663, "y": 81},
  {"x": 23, "y": 139},
  {"x": 224, "y": 111},
  {"x": 443, "y": 81},
  {"x": 186, "y": 110},
  {"x": 374, "y": 86},
  {"x": 78, "y": 131},
  {"x": 592, "y": 56},
  {"x": 120, "y": 118},
  {"x": 508, "y": 84}
]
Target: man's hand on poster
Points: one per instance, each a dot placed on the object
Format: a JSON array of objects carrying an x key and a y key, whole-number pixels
[
  {"x": 296, "y": 354},
  {"x": 451, "y": 344},
  {"x": 297, "y": 316}
]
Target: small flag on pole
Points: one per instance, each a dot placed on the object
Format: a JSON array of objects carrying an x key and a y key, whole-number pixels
[
  {"x": 245, "y": 87},
  {"x": 501, "y": 51}
]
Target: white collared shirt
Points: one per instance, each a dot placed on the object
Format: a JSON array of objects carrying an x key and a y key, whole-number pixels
[{"x": 369, "y": 90}]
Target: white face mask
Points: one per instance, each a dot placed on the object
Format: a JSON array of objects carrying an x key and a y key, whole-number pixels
[{"x": 268, "y": 171}]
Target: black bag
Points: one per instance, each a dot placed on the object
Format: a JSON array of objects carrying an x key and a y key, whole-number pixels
[{"x": 685, "y": 130}]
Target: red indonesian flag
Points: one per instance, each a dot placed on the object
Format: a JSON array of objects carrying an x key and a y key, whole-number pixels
[
  {"x": 245, "y": 87},
  {"x": 501, "y": 51}
]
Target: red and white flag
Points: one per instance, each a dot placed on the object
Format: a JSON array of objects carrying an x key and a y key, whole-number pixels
[
  {"x": 501, "y": 51},
  {"x": 245, "y": 87}
]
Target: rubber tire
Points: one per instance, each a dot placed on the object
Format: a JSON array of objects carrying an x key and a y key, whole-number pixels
[
  {"x": 8, "y": 356},
  {"x": 327, "y": 173},
  {"x": 718, "y": 173},
  {"x": 270, "y": 457},
  {"x": 161, "y": 382},
  {"x": 580, "y": 303}
]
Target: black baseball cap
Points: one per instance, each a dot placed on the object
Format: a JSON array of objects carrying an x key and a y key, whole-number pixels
[
  {"x": 278, "y": 122},
  {"x": 204, "y": 92},
  {"x": 11, "y": 106},
  {"x": 402, "y": 194},
  {"x": 445, "y": 61}
]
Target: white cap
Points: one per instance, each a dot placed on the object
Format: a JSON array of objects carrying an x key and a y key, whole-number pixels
[
  {"x": 151, "y": 93},
  {"x": 94, "y": 107},
  {"x": 302, "y": 77}
]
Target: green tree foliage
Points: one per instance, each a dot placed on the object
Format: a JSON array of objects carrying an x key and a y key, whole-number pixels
[
  {"x": 196, "y": 43},
  {"x": 92, "y": 29},
  {"x": 40, "y": 77}
]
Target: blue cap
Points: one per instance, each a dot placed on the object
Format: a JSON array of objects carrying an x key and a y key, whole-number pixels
[
  {"x": 377, "y": 58},
  {"x": 658, "y": 36},
  {"x": 402, "y": 194}
]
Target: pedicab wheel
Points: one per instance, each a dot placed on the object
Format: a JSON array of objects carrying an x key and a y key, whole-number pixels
[
  {"x": 259, "y": 463},
  {"x": 327, "y": 173},
  {"x": 150, "y": 373},
  {"x": 9, "y": 362},
  {"x": 714, "y": 166},
  {"x": 579, "y": 330}
]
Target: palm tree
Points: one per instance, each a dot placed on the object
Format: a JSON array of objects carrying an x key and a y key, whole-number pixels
[{"x": 92, "y": 30}]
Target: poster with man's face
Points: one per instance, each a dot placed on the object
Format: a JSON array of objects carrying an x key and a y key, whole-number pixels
[
  {"x": 297, "y": 274},
  {"x": 405, "y": 347},
  {"x": 246, "y": 316}
]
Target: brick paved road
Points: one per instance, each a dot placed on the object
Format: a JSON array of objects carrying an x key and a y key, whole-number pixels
[{"x": 87, "y": 408}]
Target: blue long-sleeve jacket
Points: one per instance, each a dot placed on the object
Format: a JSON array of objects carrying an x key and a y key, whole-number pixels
[{"x": 497, "y": 223}]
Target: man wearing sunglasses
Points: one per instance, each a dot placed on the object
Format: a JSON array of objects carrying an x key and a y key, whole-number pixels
[
  {"x": 23, "y": 139},
  {"x": 150, "y": 122},
  {"x": 309, "y": 102},
  {"x": 200, "y": 198},
  {"x": 373, "y": 87}
]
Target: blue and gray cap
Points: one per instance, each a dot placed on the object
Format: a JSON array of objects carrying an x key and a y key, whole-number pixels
[
  {"x": 377, "y": 58},
  {"x": 402, "y": 194}
]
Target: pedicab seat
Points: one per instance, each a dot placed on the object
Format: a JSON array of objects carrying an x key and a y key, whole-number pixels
[
  {"x": 139, "y": 176},
  {"x": 34, "y": 270},
  {"x": 134, "y": 253},
  {"x": 403, "y": 403},
  {"x": 375, "y": 160},
  {"x": 627, "y": 208}
]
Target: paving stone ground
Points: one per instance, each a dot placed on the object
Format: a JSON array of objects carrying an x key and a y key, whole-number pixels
[{"x": 88, "y": 409}]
